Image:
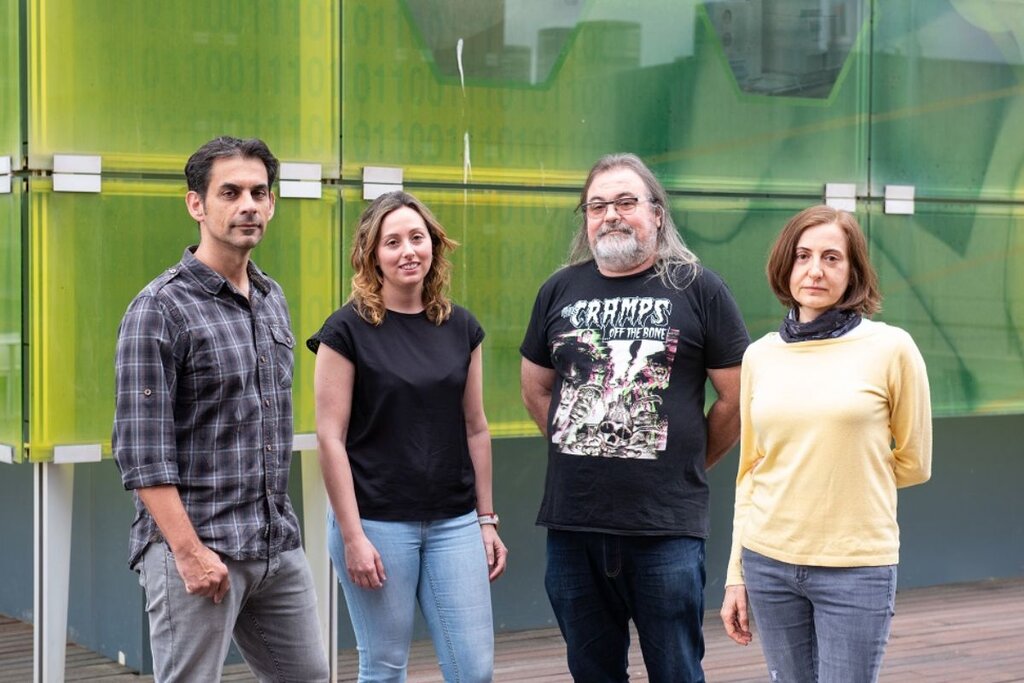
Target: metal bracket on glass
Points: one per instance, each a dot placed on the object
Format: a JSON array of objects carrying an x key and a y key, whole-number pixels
[
  {"x": 304, "y": 442},
  {"x": 5, "y": 175},
  {"x": 899, "y": 199},
  {"x": 91, "y": 452},
  {"x": 841, "y": 196},
  {"x": 76, "y": 173},
  {"x": 6, "y": 454},
  {"x": 301, "y": 181},
  {"x": 378, "y": 180}
]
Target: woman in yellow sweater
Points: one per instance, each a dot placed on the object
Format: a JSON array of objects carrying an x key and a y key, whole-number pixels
[{"x": 835, "y": 417}]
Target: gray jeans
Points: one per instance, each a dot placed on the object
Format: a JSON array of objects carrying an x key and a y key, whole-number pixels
[
  {"x": 270, "y": 611},
  {"x": 826, "y": 624}
]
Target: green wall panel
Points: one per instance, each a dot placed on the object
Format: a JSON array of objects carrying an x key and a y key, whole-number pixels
[
  {"x": 953, "y": 276},
  {"x": 541, "y": 91},
  {"x": 948, "y": 98},
  {"x": 10, "y": 321},
  {"x": 10, "y": 100},
  {"x": 144, "y": 84},
  {"x": 88, "y": 256},
  {"x": 91, "y": 254}
]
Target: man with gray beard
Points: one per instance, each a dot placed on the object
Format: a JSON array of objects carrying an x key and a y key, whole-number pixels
[{"x": 615, "y": 360}]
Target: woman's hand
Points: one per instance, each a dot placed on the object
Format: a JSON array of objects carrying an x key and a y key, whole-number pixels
[
  {"x": 365, "y": 567},
  {"x": 734, "y": 614},
  {"x": 497, "y": 553}
]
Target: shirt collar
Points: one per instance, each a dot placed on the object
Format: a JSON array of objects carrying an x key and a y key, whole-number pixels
[{"x": 211, "y": 280}]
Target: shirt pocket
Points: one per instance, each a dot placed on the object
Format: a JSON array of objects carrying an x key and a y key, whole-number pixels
[{"x": 284, "y": 342}]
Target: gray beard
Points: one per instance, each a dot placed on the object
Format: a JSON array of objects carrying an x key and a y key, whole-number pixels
[{"x": 620, "y": 252}]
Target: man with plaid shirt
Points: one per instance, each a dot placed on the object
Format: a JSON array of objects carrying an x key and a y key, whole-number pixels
[{"x": 203, "y": 437}]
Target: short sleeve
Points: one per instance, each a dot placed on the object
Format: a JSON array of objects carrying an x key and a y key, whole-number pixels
[
  {"x": 336, "y": 333},
  {"x": 535, "y": 342},
  {"x": 476, "y": 331},
  {"x": 144, "y": 444},
  {"x": 727, "y": 337}
]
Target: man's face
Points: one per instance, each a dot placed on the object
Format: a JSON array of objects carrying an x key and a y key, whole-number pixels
[
  {"x": 622, "y": 245},
  {"x": 238, "y": 204}
]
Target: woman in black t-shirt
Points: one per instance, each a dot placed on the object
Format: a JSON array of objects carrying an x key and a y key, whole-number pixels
[{"x": 405, "y": 450}]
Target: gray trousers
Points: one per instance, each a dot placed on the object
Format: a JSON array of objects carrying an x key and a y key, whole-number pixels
[{"x": 270, "y": 611}]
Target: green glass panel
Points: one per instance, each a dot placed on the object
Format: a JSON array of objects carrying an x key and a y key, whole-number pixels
[
  {"x": 144, "y": 84},
  {"x": 953, "y": 276},
  {"x": 535, "y": 92},
  {"x": 10, "y": 321},
  {"x": 10, "y": 127},
  {"x": 948, "y": 111},
  {"x": 91, "y": 254}
]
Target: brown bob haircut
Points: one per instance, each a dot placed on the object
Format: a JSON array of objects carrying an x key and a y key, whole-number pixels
[{"x": 862, "y": 293}]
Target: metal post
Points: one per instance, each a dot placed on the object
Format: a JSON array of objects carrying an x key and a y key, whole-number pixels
[
  {"x": 53, "y": 499},
  {"x": 314, "y": 505}
]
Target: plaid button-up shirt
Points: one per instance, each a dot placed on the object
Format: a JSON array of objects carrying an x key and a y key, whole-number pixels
[{"x": 204, "y": 402}]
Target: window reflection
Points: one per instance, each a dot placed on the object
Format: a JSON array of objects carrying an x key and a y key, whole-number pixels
[
  {"x": 773, "y": 47},
  {"x": 792, "y": 48},
  {"x": 525, "y": 41}
]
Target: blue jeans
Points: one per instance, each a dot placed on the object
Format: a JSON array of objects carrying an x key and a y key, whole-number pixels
[
  {"x": 442, "y": 566},
  {"x": 596, "y": 582},
  {"x": 270, "y": 610},
  {"x": 825, "y": 624}
]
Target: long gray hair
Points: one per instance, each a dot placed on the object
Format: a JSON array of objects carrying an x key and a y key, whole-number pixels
[{"x": 672, "y": 252}]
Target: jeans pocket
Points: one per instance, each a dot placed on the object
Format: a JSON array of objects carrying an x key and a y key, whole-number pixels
[
  {"x": 153, "y": 574},
  {"x": 892, "y": 589},
  {"x": 141, "y": 568}
]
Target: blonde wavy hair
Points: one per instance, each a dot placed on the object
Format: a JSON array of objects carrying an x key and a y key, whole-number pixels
[{"x": 368, "y": 281}]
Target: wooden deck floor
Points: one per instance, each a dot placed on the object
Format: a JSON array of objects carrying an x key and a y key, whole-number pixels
[{"x": 962, "y": 633}]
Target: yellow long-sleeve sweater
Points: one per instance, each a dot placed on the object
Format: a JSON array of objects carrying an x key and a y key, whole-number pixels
[{"x": 830, "y": 429}]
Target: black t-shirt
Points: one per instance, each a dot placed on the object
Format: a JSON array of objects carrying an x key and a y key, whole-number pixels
[
  {"x": 626, "y": 425},
  {"x": 406, "y": 439}
]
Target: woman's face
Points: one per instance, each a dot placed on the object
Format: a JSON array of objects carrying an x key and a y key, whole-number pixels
[
  {"x": 404, "y": 250},
  {"x": 821, "y": 270}
]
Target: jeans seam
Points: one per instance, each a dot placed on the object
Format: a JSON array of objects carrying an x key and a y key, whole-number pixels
[
  {"x": 170, "y": 619},
  {"x": 266, "y": 644},
  {"x": 444, "y": 624}
]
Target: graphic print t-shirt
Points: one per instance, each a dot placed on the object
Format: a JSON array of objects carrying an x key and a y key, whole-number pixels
[{"x": 627, "y": 433}]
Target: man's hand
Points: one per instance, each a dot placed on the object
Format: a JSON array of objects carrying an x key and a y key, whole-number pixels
[
  {"x": 735, "y": 616},
  {"x": 199, "y": 567},
  {"x": 203, "y": 573}
]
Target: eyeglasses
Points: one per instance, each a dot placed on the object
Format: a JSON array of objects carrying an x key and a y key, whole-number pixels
[{"x": 624, "y": 206}]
